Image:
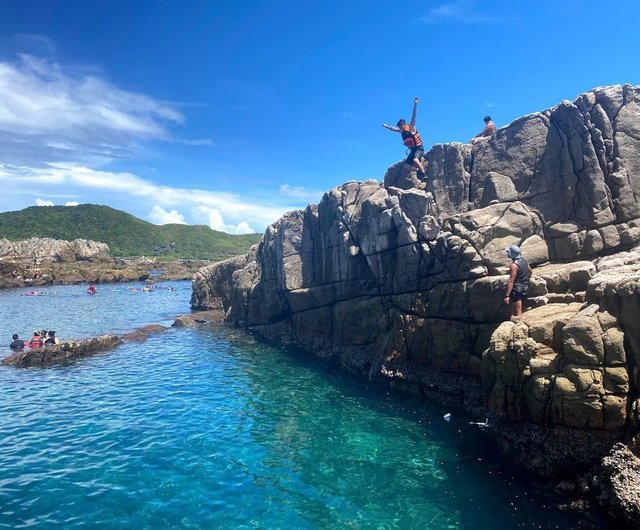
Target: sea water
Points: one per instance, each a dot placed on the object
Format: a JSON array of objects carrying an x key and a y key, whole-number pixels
[{"x": 209, "y": 428}]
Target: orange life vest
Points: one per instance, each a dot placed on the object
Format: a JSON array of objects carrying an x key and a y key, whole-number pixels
[{"x": 410, "y": 139}]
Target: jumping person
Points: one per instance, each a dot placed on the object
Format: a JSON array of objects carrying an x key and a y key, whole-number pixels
[
  {"x": 411, "y": 139},
  {"x": 518, "y": 284},
  {"x": 489, "y": 129}
]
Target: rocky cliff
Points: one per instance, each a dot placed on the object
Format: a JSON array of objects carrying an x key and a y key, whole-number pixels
[
  {"x": 38, "y": 262},
  {"x": 46, "y": 250},
  {"x": 402, "y": 280}
]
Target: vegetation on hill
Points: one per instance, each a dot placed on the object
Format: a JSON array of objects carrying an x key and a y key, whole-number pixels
[{"x": 126, "y": 235}]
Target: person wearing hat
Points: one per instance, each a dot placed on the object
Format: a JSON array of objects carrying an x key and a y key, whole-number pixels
[{"x": 518, "y": 284}]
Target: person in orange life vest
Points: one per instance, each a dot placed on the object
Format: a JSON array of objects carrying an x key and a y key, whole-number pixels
[
  {"x": 411, "y": 139},
  {"x": 35, "y": 341}
]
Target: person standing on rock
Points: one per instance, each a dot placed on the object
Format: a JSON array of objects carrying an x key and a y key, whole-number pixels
[
  {"x": 489, "y": 129},
  {"x": 518, "y": 284},
  {"x": 411, "y": 139}
]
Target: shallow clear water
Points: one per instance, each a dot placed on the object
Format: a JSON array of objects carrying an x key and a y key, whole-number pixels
[{"x": 211, "y": 429}]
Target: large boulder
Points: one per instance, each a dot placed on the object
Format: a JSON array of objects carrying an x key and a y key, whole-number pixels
[{"x": 559, "y": 364}]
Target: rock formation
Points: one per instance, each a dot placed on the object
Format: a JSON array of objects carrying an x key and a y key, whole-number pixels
[
  {"x": 46, "y": 250},
  {"x": 62, "y": 353},
  {"x": 42, "y": 261},
  {"x": 402, "y": 280}
]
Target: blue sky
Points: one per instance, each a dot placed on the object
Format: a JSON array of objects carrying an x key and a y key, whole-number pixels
[{"x": 231, "y": 113}]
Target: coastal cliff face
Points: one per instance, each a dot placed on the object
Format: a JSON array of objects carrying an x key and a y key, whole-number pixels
[
  {"x": 403, "y": 280},
  {"x": 55, "y": 250}
]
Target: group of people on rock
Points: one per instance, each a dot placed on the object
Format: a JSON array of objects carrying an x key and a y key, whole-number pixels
[
  {"x": 519, "y": 270},
  {"x": 411, "y": 138},
  {"x": 39, "y": 339}
]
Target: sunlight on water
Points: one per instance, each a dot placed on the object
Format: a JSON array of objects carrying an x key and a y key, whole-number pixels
[{"x": 211, "y": 429}]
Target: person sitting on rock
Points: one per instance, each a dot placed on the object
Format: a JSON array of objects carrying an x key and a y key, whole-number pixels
[
  {"x": 518, "y": 284},
  {"x": 35, "y": 341},
  {"x": 17, "y": 344},
  {"x": 51, "y": 339},
  {"x": 489, "y": 129},
  {"x": 411, "y": 139}
]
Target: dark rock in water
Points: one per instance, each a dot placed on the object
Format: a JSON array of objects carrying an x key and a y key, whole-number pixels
[
  {"x": 617, "y": 482},
  {"x": 198, "y": 317},
  {"x": 184, "y": 321},
  {"x": 62, "y": 353},
  {"x": 142, "y": 334}
]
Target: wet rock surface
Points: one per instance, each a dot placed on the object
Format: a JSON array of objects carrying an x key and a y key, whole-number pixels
[{"x": 616, "y": 484}]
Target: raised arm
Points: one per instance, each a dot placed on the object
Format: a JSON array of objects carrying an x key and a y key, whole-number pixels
[
  {"x": 413, "y": 114},
  {"x": 391, "y": 127}
]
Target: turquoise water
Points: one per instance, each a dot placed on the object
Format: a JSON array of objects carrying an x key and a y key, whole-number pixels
[{"x": 212, "y": 429}]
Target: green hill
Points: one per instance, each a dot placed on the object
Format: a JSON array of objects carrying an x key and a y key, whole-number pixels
[{"x": 126, "y": 235}]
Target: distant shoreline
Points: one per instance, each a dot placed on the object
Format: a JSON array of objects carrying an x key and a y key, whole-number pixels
[{"x": 15, "y": 274}]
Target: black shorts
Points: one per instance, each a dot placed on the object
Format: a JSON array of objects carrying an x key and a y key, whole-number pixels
[
  {"x": 516, "y": 295},
  {"x": 416, "y": 152}
]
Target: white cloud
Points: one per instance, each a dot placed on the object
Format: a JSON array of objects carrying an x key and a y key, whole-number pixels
[
  {"x": 42, "y": 202},
  {"x": 72, "y": 203},
  {"x": 235, "y": 214},
  {"x": 48, "y": 114},
  {"x": 301, "y": 193},
  {"x": 208, "y": 142},
  {"x": 160, "y": 216},
  {"x": 57, "y": 124},
  {"x": 213, "y": 218},
  {"x": 463, "y": 11}
]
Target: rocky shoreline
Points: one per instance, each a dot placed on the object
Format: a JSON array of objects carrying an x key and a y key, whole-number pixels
[
  {"x": 73, "y": 350},
  {"x": 402, "y": 282},
  {"x": 39, "y": 262}
]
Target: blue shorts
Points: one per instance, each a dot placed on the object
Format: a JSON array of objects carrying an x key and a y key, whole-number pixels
[
  {"x": 416, "y": 152},
  {"x": 516, "y": 295}
]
